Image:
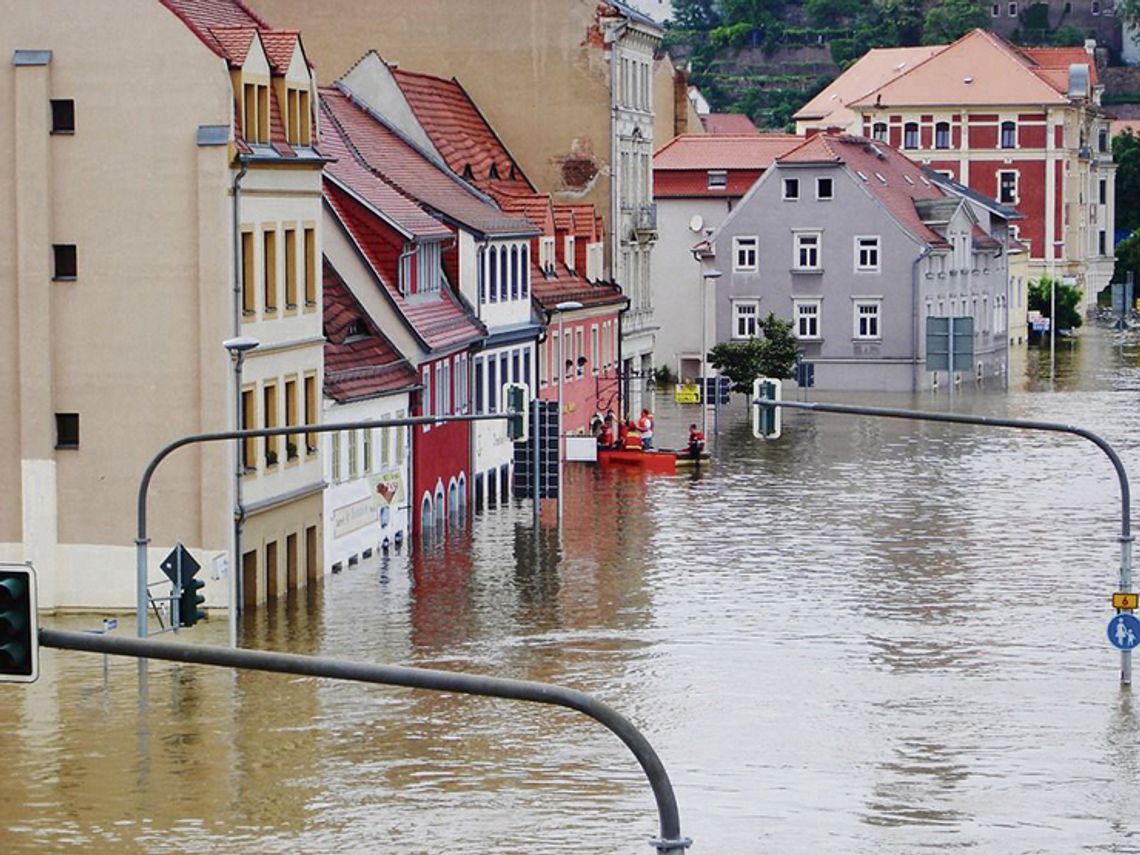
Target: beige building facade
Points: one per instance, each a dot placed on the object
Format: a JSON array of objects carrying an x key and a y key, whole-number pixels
[
  {"x": 571, "y": 85},
  {"x": 121, "y": 145}
]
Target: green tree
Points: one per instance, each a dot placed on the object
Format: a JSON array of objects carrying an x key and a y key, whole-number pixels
[
  {"x": 695, "y": 14},
  {"x": 1128, "y": 259},
  {"x": 1128, "y": 11},
  {"x": 774, "y": 355},
  {"x": 1126, "y": 153},
  {"x": 1068, "y": 297},
  {"x": 952, "y": 19}
]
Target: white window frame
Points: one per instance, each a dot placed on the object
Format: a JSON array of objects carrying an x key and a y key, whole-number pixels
[
  {"x": 875, "y": 318},
  {"x": 717, "y": 179},
  {"x": 872, "y": 245},
  {"x": 875, "y": 134},
  {"x": 743, "y": 245},
  {"x": 800, "y": 316},
  {"x": 917, "y": 136},
  {"x": 801, "y": 241},
  {"x": 788, "y": 184},
  {"x": 1016, "y": 186},
  {"x": 819, "y": 192},
  {"x": 750, "y": 316}
]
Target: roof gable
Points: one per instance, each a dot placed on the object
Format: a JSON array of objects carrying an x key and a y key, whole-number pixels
[{"x": 978, "y": 69}]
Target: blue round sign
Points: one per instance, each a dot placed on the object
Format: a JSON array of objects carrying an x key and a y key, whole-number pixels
[{"x": 1124, "y": 631}]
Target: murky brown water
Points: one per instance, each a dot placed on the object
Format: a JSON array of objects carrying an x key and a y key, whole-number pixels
[{"x": 868, "y": 637}]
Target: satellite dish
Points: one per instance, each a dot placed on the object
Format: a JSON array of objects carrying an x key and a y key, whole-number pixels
[{"x": 695, "y": 223}]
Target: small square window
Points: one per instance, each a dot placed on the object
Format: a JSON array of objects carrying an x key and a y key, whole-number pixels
[
  {"x": 791, "y": 188},
  {"x": 66, "y": 265},
  {"x": 718, "y": 179},
  {"x": 824, "y": 188},
  {"x": 745, "y": 251},
  {"x": 62, "y": 116},
  {"x": 67, "y": 430}
]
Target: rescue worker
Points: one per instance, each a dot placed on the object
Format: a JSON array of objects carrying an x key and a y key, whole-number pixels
[{"x": 645, "y": 427}]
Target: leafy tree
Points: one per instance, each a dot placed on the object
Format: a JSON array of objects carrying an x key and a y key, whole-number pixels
[
  {"x": 1126, "y": 153},
  {"x": 695, "y": 14},
  {"x": 828, "y": 13},
  {"x": 952, "y": 19},
  {"x": 1068, "y": 297},
  {"x": 1128, "y": 11},
  {"x": 1128, "y": 259},
  {"x": 774, "y": 355}
]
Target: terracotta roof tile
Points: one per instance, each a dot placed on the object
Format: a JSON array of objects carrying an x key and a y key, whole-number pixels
[
  {"x": 564, "y": 286},
  {"x": 235, "y": 42},
  {"x": 279, "y": 46},
  {"x": 203, "y": 15},
  {"x": 440, "y": 322},
  {"x": 736, "y": 151},
  {"x": 360, "y": 362},
  {"x": 460, "y": 133},
  {"x": 728, "y": 123},
  {"x": 353, "y": 174},
  {"x": 875, "y": 68},
  {"x": 407, "y": 169},
  {"x": 978, "y": 69}
]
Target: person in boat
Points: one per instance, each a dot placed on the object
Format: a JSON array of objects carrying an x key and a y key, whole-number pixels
[
  {"x": 645, "y": 427},
  {"x": 632, "y": 441},
  {"x": 696, "y": 442},
  {"x": 606, "y": 438}
]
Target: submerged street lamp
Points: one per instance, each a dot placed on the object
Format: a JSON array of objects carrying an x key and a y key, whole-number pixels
[{"x": 706, "y": 277}]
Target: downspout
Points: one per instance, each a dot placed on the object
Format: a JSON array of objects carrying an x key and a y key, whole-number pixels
[
  {"x": 621, "y": 361},
  {"x": 615, "y": 198},
  {"x": 239, "y": 446},
  {"x": 922, "y": 256},
  {"x": 238, "y": 271}
]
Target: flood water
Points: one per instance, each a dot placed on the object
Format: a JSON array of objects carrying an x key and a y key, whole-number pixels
[{"x": 870, "y": 636}]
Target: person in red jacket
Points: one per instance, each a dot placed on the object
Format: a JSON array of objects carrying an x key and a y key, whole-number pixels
[
  {"x": 696, "y": 442},
  {"x": 645, "y": 426}
]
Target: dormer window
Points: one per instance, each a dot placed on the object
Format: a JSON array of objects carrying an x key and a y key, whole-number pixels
[
  {"x": 298, "y": 129},
  {"x": 718, "y": 179},
  {"x": 493, "y": 172},
  {"x": 468, "y": 175},
  {"x": 255, "y": 113},
  {"x": 355, "y": 331},
  {"x": 568, "y": 252},
  {"x": 546, "y": 255},
  {"x": 428, "y": 268}
]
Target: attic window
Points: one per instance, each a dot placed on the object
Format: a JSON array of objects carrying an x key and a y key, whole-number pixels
[
  {"x": 468, "y": 175},
  {"x": 494, "y": 172},
  {"x": 718, "y": 179},
  {"x": 908, "y": 181},
  {"x": 355, "y": 331},
  {"x": 922, "y": 178},
  {"x": 861, "y": 175},
  {"x": 879, "y": 175}
]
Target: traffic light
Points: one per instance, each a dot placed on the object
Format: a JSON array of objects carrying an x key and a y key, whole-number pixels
[
  {"x": 515, "y": 397},
  {"x": 189, "y": 612},
  {"x": 19, "y": 634},
  {"x": 766, "y": 419}
]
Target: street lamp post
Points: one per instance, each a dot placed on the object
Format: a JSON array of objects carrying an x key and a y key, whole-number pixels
[
  {"x": 238, "y": 348},
  {"x": 706, "y": 277}
]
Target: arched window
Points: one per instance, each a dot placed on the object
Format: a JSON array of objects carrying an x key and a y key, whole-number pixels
[
  {"x": 1008, "y": 135},
  {"x": 879, "y": 131},
  {"x": 503, "y": 274},
  {"x": 453, "y": 500},
  {"x": 514, "y": 272},
  {"x": 942, "y": 135},
  {"x": 493, "y": 275},
  {"x": 439, "y": 516},
  {"x": 910, "y": 135},
  {"x": 425, "y": 517},
  {"x": 524, "y": 267}
]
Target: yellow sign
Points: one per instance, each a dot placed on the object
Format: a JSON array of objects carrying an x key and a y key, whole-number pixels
[
  {"x": 1122, "y": 600},
  {"x": 687, "y": 393}
]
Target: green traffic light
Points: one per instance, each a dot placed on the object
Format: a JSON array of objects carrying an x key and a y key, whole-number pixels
[{"x": 18, "y": 649}]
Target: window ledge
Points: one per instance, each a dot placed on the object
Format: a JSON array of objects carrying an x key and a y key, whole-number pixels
[
  {"x": 807, "y": 271},
  {"x": 71, "y": 446},
  {"x": 64, "y": 278},
  {"x": 858, "y": 340}
]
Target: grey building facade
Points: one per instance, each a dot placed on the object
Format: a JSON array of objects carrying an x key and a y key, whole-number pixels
[{"x": 857, "y": 246}]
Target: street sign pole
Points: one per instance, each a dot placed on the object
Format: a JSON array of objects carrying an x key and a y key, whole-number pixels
[{"x": 1126, "y": 586}]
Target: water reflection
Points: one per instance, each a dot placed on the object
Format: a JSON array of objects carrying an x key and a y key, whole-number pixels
[{"x": 871, "y": 636}]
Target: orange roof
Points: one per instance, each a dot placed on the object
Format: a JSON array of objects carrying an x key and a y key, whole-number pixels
[
  {"x": 279, "y": 45},
  {"x": 727, "y": 123},
  {"x": 716, "y": 151},
  {"x": 872, "y": 70},
  {"x": 978, "y": 69},
  {"x": 202, "y": 16},
  {"x": 235, "y": 41},
  {"x": 460, "y": 133}
]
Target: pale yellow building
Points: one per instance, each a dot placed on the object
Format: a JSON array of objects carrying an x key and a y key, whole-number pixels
[
  {"x": 573, "y": 86},
  {"x": 126, "y": 126}
]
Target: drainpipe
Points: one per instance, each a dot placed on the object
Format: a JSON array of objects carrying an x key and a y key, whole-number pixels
[
  {"x": 615, "y": 197},
  {"x": 620, "y": 358},
  {"x": 914, "y": 337}
]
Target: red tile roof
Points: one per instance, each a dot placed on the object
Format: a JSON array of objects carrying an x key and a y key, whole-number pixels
[
  {"x": 235, "y": 42},
  {"x": 201, "y": 16},
  {"x": 406, "y": 168},
  {"x": 279, "y": 46},
  {"x": 352, "y": 174},
  {"x": 459, "y": 132},
  {"x": 728, "y": 123},
  {"x": 359, "y": 361},
  {"x": 564, "y": 286},
  {"x": 886, "y": 173},
  {"x": 440, "y": 321},
  {"x": 730, "y": 151}
]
